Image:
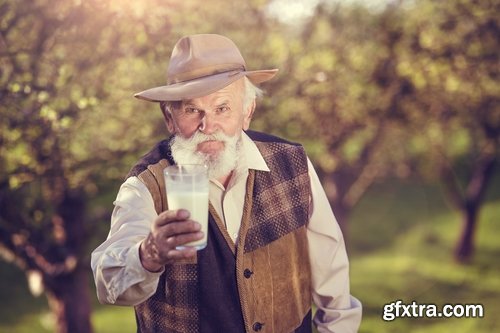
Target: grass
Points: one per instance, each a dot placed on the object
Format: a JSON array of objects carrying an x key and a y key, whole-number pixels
[
  {"x": 401, "y": 240},
  {"x": 113, "y": 319},
  {"x": 407, "y": 238},
  {"x": 23, "y": 313}
]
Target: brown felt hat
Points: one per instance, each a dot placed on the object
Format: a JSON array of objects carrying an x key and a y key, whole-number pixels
[{"x": 201, "y": 65}]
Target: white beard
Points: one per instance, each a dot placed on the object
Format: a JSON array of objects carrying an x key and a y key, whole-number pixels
[{"x": 184, "y": 151}]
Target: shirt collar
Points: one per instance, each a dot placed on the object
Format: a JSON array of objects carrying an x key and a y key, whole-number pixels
[{"x": 253, "y": 157}]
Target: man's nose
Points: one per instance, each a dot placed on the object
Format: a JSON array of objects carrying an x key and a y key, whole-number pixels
[{"x": 208, "y": 124}]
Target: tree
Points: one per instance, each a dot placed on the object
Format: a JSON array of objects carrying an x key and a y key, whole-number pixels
[
  {"x": 60, "y": 63},
  {"x": 451, "y": 57}
]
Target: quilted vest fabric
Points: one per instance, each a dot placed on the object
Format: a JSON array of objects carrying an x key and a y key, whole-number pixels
[{"x": 260, "y": 285}]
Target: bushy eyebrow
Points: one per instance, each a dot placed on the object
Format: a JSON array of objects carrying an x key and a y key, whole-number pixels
[{"x": 191, "y": 104}]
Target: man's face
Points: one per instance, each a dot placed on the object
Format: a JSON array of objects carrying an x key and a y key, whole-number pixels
[
  {"x": 208, "y": 129},
  {"x": 219, "y": 112}
]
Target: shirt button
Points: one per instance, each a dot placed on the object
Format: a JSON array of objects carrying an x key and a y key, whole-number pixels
[
  {"x": 235, "y": 236},
  {"x": 257, "y": 326},
  {"x": 247, "y": 273}
]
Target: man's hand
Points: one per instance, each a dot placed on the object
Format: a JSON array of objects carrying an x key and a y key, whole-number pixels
[{"x": 172, "y": 228}]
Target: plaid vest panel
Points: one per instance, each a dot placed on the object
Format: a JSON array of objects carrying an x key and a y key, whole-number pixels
[{"x": 281, "y": 197}]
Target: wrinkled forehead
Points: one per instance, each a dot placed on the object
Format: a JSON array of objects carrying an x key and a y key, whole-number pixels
[{"x": 230, "y": 94}]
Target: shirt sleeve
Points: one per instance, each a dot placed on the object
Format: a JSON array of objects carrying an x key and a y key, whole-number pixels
[
  {"x": 118, "y": 273},
  {"x": 337, "y": 310}
]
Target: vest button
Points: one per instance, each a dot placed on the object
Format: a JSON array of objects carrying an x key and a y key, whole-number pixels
[
  {"x": 247, "y": 273},
  {"x": 257, "y": 326}
]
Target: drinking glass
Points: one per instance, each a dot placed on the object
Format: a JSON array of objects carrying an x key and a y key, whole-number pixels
[{"x": 187, "y": 188}]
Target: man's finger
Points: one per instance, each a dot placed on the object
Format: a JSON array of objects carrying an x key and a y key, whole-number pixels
[
  {"x": 181, "y": 239},
  {"x": 176, "y": 228},
  {"x": 169, "y": 216}
]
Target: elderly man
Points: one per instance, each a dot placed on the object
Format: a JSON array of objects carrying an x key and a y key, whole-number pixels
[{"x": 274, "y": 246}]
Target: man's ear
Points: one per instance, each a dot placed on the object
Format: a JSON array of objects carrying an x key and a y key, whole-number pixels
[
  {"x": 248, "y": 116},
  {"x": 169, "y": 122}
]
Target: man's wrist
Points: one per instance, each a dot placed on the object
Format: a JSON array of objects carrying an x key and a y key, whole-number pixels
[{"x": 148, "y": 254}]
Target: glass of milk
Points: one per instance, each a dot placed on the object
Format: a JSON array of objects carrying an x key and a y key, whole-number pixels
[{"x": 187, "y": 188}]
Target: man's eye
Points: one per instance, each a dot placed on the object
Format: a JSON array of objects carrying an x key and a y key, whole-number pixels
[
  {"x": 191, "y": 110},
  {"x": 223, "y": 109}
]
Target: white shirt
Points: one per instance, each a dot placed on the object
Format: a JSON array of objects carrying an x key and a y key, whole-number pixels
[{"x": 121, "y": 279}]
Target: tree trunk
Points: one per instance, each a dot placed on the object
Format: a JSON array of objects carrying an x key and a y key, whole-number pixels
[
  {"x": 69, "y": 300},
  {"x": 68, "y": 292},
  {"x": 470, "y": 202},
  {"x": 465, "y": 246}
]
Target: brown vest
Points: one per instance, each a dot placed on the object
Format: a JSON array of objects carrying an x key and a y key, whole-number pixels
[{"x": 263, "y": 284}]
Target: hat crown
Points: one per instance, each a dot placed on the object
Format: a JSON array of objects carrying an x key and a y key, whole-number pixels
[
  {"x": 203, "y": 55},
  {"x": 200, "y": 65}
]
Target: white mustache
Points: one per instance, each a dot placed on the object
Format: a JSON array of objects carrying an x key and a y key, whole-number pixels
[{"x": 199, "y": 137}]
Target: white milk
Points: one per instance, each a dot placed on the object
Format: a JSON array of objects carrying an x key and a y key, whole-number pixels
[{"x": 197, "y": 205}]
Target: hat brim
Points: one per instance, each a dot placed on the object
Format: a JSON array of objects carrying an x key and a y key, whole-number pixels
[{"x": 202, "y": 86}]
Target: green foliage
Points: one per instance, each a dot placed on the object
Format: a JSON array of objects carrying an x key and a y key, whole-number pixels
[
  {"x": 452, "y": 61},
  {"x": 60, "y": 125},
  {"x": 408, "y": 88}
]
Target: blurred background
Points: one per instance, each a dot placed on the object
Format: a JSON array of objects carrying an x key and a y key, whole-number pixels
[{"x": 396, "y": 103}]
